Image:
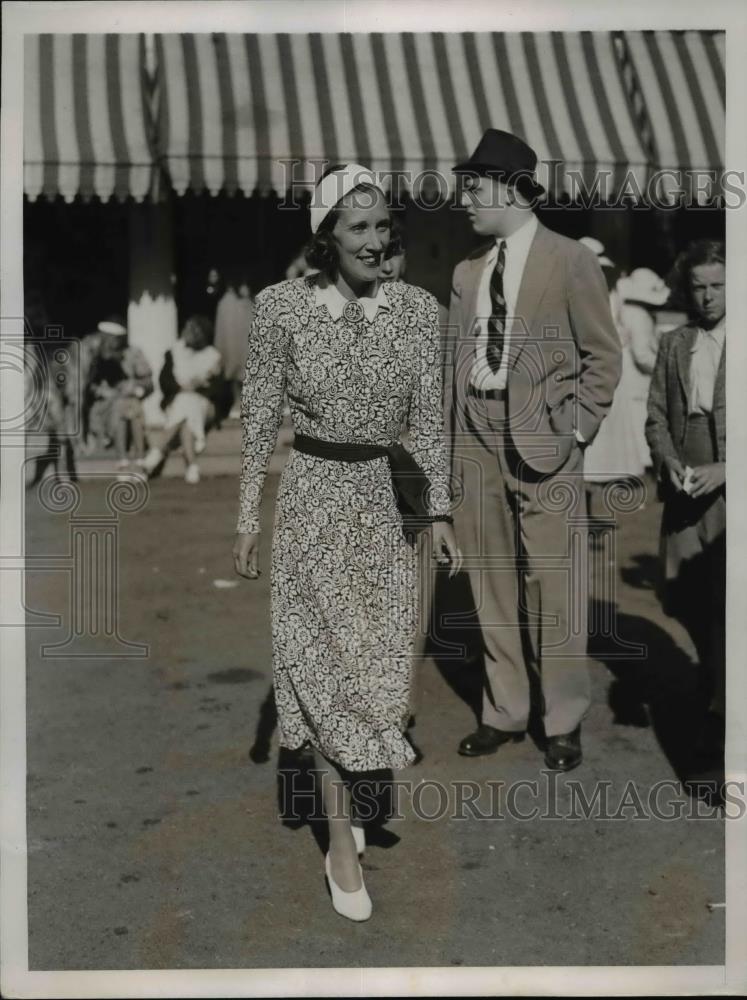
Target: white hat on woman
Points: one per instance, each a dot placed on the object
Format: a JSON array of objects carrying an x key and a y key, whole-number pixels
[
  {"x": 333, "y": 187},
  {"x": 597, "y": 248},
  {"x": 645, "y": 286}
]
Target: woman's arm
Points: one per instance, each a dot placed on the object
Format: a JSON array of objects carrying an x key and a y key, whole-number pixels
[
  {"x": 426, "y": 416},
  {"x": 261, "y": 407}
]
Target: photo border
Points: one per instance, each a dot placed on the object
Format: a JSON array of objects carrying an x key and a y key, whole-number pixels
[{"x": 360, "y": 16}]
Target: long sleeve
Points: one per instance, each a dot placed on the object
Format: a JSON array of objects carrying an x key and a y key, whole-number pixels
[
  {"x": 261, "y": 408},
  {"x": 658, "y": 432},
  {"x": 426, "y": 418},
  {"x": 598, "y": 343},
  {"x": 449, "y": 337}
]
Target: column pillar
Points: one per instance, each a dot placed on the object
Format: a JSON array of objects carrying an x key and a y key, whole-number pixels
[{"x": 151, "y": 314}]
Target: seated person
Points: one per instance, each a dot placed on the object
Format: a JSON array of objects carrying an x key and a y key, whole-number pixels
[
  {"x": 119, "y": 378},
  {"x": 194, "y": 397},
  {"x": 44, "y": 424}
]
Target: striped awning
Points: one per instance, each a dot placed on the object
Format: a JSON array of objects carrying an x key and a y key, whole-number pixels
[
  {"x": 680, "y": 81},
  {"x": 245, "y": 112},
  {"x": 237, "y": 110},
  {"x": 85, "y": 119}
]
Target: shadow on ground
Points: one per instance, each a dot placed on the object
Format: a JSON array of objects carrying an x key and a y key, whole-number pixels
[
  {"x": 297, "y": 793},
  {"x": 654, "y": 681}
]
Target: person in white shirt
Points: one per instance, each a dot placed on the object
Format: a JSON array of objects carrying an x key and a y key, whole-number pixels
[
  {"x": 643, "y": 293},
  {"x": 619, "y": 452},
  {"x": 194, "y": 392},
  {"x": 534, "y": 363}
]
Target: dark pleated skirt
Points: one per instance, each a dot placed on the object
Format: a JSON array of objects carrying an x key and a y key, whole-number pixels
[{"x": 693, "y": 531}]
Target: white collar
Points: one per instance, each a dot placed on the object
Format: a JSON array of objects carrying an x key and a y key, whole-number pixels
[
  {"x": 331, "y": 297},
  {"x": 521, "y": 238},
  {"x": 716, "y": 333}
]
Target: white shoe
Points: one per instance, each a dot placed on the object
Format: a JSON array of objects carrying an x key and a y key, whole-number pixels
[
  {"x": 192, "y": 475},
  {"x": 123, "y": 463},
  {"x": 152, "y": 460},
  {"x": 359, "y": 836},
  {"x": 199, "y": 445},
  {"x": 354, "y": 905}
]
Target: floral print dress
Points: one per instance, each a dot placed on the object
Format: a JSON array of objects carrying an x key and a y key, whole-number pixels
[{"x": 344, "y": 578}]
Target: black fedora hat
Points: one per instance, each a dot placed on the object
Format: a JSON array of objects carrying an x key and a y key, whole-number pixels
[{"x": 503, "y": 156}]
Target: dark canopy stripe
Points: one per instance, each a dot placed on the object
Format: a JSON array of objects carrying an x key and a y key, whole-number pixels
[
  {"x": 88, "y": 113},
  {"x": 681, "y": 76},
  {"x": 231, "y": 111}
]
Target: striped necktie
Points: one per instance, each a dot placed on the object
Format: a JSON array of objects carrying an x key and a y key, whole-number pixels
[{"x": 497, "y": 321}]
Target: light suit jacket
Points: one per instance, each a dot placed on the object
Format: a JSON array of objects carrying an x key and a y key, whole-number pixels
[{"x": 564, "y": 354}]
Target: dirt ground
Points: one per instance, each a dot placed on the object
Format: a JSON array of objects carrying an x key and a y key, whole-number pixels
[{"x": 154, "y": 833}]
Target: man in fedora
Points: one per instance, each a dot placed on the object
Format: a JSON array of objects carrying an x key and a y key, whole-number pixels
[{"x": 534, "y": 365}]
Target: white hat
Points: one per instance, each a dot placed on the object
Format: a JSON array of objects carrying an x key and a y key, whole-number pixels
[
  {"x": 643, "y": 285},
  {"x": 597, "y": 248},
  {"x": 333, "y": 187},
  {"x": 113, "y": 325}
]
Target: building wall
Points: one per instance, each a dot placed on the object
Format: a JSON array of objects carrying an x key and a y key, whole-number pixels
[{"x": 76, "y": 255}]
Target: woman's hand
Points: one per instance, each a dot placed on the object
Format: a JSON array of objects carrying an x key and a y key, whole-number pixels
[
  {"x": 707, "y": 478},
  {"x": 245, "y": 552},
  {"x": 676, "y": 472},
  {"x": 444, "y": 546}
]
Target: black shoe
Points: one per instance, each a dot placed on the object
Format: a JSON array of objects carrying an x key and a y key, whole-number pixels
[
  {"x": 563, "y": 753},
  {"x": 486, "y": 740}
]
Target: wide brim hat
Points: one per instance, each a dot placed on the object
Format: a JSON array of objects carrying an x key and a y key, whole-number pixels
[
  {"x": 644, "y": 286},
  {"x": 505, "y": 157},
  {"x": 597, "y": 247}
]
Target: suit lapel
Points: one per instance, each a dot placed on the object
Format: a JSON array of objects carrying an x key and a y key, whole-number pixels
[
  {"x": 470, "y": 290},
  {"x": 465, "y": 346},
  {"x": 683, "y": 352},
  {"x": 541, "y": 261}
]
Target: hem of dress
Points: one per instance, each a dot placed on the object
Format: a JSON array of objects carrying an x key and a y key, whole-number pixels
[{"x": 410, "y": 756}]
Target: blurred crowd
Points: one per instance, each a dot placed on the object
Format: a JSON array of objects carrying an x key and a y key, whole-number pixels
[{"x": 91, "y": 400}]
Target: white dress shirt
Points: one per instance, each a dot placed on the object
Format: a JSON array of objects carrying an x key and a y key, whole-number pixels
[
  {"x": 704, "y": 362},
  {"x": 517, "y": 251}
]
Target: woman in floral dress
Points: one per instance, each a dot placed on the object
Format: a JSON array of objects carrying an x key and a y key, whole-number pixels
[{"x": 358, "y": 360}]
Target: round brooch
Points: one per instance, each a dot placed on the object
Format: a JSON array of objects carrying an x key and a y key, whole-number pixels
[{"x": 353, "y": 311}]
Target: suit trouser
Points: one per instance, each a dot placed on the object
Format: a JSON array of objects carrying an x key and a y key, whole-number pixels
[{"x": 524, "y": 540}]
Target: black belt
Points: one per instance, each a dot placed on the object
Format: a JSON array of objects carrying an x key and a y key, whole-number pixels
[
  {"x": 472, "y": 390},
  {"x": 411, "y": 485}
]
